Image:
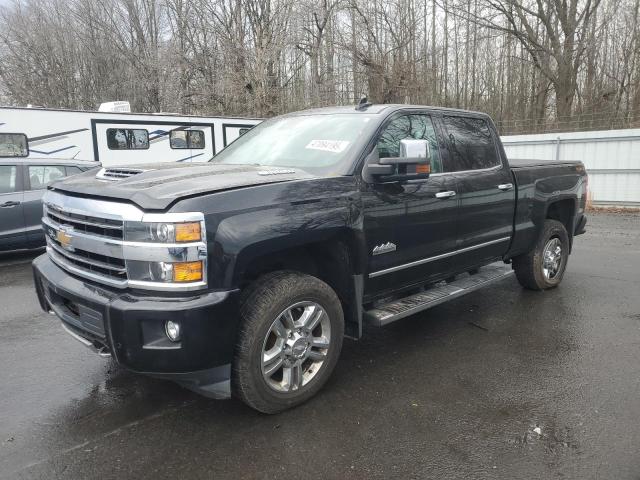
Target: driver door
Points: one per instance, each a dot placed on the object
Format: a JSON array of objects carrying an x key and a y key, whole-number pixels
[
  {"x": 11, "y": 208},
  {"x": 408, "y": 226}
]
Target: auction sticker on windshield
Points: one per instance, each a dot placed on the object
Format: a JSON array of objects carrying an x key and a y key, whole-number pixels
[{"x": 335, "y": 146}]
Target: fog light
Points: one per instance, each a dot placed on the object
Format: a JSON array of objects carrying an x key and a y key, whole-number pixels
[{"x": 172, "y": 329}]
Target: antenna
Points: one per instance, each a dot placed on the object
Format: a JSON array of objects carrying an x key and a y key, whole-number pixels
[{"x": 363, "y": 104}]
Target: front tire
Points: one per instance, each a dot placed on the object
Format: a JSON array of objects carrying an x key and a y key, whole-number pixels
[
  {"x": 544, "y": 266},
  {"x": 289, "y": 342}
]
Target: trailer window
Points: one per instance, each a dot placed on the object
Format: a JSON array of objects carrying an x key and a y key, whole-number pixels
[
  {"x": 184, "y": 139},
  {"x": 8, "y": 178},
  {"x": 13, "y": 145},
  {"x": 127, "y": 139}
]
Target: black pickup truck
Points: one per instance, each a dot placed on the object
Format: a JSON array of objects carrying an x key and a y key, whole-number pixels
[{"x": 241, "y": 276}]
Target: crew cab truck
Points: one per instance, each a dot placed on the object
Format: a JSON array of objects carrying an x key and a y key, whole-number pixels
[{"x": 242, "y": 276}]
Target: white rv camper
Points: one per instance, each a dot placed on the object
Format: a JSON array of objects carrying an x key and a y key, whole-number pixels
[{"x": 115, "y": 137}]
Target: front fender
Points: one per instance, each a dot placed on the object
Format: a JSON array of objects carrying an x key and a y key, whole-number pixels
[{"x": 315, "y": 212}]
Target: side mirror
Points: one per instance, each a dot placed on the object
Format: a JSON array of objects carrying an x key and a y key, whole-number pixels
[
  {"x": 414, "y": 163},
  {"x": 412, "y": 148}
]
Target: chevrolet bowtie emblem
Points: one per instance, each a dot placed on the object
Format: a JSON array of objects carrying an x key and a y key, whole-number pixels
[
  {"x": 64, "y": 238},
  {"x": 384, "y": 248}
]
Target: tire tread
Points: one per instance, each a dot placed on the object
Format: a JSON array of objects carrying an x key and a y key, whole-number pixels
[
  {"x": 527, "y": 266},
  {"x": 259, "y": 297}
]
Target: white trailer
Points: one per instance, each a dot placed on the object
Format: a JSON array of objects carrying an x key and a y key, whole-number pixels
[{"x": 115, "y": 138}]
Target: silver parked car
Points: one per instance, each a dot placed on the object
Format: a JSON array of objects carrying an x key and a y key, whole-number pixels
[{"x": 22, "y": 184}]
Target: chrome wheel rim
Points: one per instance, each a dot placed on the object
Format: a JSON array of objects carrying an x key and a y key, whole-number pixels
[
  {"x": 295, "y": 347},
  {"x": 552, "y": 258}
]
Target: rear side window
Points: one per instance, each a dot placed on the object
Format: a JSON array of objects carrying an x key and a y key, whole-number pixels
[
  {"x": 13, "y": 145},
  {"x": 127, "y": 139},
  {"x": 73, "y": 170},
  {"x": 471, "y": 144},
  {"x": 8, "y": 176},
  {"x": 42, "y": 175},
  {"x": 184, "y": 139}
]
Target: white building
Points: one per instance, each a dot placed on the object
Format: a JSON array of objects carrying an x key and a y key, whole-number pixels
[{"x": 612, "y": 159}]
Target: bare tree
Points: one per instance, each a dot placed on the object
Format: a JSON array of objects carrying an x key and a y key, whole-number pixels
[{"x": 535, "y": 65}]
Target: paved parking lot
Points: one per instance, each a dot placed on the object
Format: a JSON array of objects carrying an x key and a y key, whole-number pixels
[{"x": 503, "y": 383}]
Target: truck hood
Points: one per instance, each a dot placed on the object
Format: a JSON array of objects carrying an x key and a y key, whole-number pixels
[{"x": 156, "y": 187}]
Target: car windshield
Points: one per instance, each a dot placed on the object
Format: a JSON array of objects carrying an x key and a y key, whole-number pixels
[{"x": 319, "y": 144}]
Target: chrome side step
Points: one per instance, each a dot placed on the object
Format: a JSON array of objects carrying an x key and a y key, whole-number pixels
[{"x": 439, "y": 293}]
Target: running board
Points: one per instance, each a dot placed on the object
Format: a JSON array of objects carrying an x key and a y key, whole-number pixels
[{"x": 439, "y": 293}]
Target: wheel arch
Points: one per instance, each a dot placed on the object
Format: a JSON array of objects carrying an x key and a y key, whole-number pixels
[
  {"x": 563, "y": 210},
  {"x": 336, "y": 259}
]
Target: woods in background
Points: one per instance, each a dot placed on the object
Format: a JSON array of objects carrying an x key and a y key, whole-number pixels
[{"x": 534, "y": 65}]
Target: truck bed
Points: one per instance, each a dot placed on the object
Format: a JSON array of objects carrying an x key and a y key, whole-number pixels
[{"x": 516, "y": 163}]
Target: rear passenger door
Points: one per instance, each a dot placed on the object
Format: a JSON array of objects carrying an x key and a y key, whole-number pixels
[
  {"x": 36, "y": 178},
  {"x": 484, "y": 187},
  {"x": 11, "y": 208}
]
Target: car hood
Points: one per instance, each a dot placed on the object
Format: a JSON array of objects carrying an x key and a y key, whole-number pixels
[{"x": 156, "y": 187}]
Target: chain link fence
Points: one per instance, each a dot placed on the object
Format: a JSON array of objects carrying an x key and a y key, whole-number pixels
[{"x": 579, "y": 122}]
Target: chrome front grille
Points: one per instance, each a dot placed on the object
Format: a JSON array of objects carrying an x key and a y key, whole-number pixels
[
  {"x": 92, "y": 262},
  {"x": 89, "y": 254},
  {"x": 86, "y": 223}
]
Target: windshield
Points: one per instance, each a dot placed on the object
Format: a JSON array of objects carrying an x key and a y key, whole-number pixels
[{"x": 322, "y": 145}]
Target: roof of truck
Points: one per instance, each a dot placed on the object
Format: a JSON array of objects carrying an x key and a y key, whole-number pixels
[{"x": 379, "y": 108}]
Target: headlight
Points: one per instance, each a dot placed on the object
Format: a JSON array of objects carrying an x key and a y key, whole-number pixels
[
  {"x": 163, "y": 232},
  {"x": 166, "y": 272},
  {"x": 166, "y": 251}
]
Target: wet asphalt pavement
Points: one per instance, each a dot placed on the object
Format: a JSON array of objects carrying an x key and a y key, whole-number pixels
[{"x": 502, "y": 383}]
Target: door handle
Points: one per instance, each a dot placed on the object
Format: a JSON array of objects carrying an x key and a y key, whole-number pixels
[
  {"x": 447, "y": 194},
  {"x": 9, "y": 204},
  {"x": 505, "y": 186}
]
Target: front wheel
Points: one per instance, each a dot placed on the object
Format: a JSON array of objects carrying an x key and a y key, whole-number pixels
[
  {"x": 290, "y": 340},
  {"x": 543, "y": 267}
]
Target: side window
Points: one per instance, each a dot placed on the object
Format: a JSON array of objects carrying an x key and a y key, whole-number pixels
[
  {"x": 472, "y": 146},
  {"x": 416, "y": 126},
  {"x": 182, "y": 139},
  {"x": 14, "y": 145},
  {"x": 42, "y": 175},
  {"x": 196, "y": 139},
  {"x": 73, "y": 170},
  {"x": 242, "y": 131},
  {"x": 127, "y": 139},
  {"x": 8, "y": 176},
  {"x": 178, "y": 139}
]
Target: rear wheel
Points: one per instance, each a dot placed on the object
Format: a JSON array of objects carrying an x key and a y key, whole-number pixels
[
  {"x": 543, "y": 267},
  {"x": 290, "y": 340}
]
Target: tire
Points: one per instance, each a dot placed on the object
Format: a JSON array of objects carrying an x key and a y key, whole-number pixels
[
  {"x": 531, "y": 269},
  {"x": 301, "y": 365}
]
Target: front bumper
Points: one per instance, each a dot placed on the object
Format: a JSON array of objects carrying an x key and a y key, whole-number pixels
[
  {"x": 581, "y": 226},
  {"x": 130, "y": 327}
]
